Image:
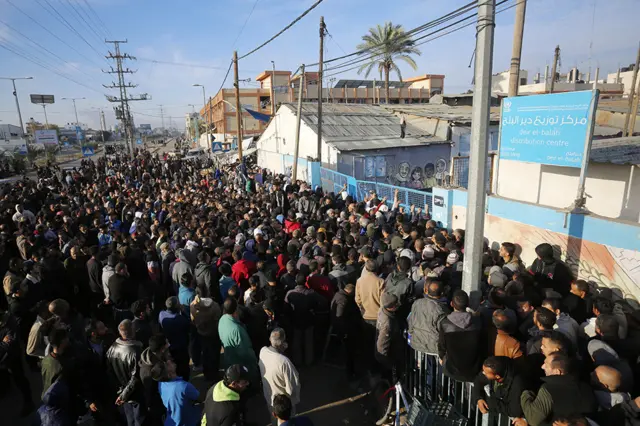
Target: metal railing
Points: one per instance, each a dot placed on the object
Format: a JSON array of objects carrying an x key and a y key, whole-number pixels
[
  {"x": 333, "y": 181},
  {"x": 425, "y": 380},
  {"x": 460, "y": 172}
]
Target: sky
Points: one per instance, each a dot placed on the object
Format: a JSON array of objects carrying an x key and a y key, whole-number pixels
[{"x": 66, "y": 38}]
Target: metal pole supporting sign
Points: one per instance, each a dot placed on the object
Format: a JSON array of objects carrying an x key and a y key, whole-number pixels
[{"x": 579, "y": 206}]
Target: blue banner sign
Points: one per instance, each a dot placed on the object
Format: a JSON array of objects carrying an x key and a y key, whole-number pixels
[
  {"x": 87, "y": 151},
  {"x": 547, "y": 129}
]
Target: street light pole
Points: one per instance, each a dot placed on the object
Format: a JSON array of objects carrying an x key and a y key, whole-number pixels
[
  {"x": 204, "y": 114},
  {"x": 15, "y": 94}
]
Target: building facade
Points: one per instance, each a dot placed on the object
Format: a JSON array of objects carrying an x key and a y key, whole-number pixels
[{"x": 221, "y": 115}]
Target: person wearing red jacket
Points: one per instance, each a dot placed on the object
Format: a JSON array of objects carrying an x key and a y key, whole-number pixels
[
  {"x": 291, "y": 223},
  {"x": 242, "y": 269},
  {"x": 320, "y": 283}
]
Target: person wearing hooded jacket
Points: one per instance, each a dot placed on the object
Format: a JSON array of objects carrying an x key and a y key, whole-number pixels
[
  {"x": 181, "y": 269},
  {"x": 158, "y": 351},
  {"x": 550, "y": 272},
  {"x": 425, "y": 318},
  {"x": 400, "y": 285},
  {"x": 204, "y": 278}
]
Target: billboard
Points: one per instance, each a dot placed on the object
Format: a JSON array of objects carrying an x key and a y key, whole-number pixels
[
  {"x": 47, "y": 137},
  {"x": 547, "y": 129},
  {"x": 42, "y": 99}
]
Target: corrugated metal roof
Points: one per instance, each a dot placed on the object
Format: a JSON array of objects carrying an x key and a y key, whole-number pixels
[
  {"x": 350, "y": 127},
  {"x": 457, "y": 114},
  {"x": 616, "y": 150}
]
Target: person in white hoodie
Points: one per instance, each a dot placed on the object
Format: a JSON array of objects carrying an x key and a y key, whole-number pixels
[{"x": 279, "y": 375}]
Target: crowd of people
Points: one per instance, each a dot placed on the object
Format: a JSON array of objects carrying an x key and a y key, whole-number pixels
[{"x": 125, "y": 278}]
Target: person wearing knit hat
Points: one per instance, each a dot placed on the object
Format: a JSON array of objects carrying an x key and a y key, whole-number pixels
[
  {"x": 496, "y": 277},
  {"x": 428, "y": 253}
]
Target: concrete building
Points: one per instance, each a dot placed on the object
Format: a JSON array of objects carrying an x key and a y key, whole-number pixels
[
  {"x": 500, "y": 81},
  {"x": 573, "y": 81},
  {"x": 9, "y": 131},
  {"x": 410, "y": 91},
  {"x": 220, "y": 111},
  {"x": 362, "y": 141},
  {"x": 624, "y": 78}
]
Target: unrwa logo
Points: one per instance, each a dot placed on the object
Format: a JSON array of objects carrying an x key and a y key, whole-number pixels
[{"x": 507, "y": 106}]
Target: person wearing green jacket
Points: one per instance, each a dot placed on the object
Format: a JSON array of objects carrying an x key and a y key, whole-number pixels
[{"x": 236, "y": 341}]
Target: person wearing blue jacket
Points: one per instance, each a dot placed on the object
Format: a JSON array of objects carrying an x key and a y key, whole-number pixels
[
  {"x": 178, "y": 396},
  {"x": 175, "y": 326}
]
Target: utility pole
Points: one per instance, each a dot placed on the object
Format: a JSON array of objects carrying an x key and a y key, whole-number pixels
[
  {"x": 273, "y": 88},
  {"x": 634, "y": 112},
  {"x": 323, "y": 30},
  {"x": 205, "y": 115},
  {"x": 516, "y": 53},
  {"x": 556, "y": 59},
  {"x": 632, "y": 92},
  {"x": 236, "y": 83},
  {"x": 162, "y": 117},
  {"x": 477, "y": 193},
  {"x": 123, "y": 113},
  {"x": 295, "y": 155},
  {"x": 15, "y": 95},
  {"x": 46, "y": 119},
  {"x": 74, "y": 106}
]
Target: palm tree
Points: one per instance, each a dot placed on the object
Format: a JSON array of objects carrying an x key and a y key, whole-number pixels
[{"x": 385, "y": 45}]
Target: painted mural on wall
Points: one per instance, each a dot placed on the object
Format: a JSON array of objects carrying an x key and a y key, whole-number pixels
[
  {"x": 600, "y": 264},
  {"x": 418, "y": 176}
]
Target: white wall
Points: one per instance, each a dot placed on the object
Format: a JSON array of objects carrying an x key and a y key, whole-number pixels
[
  {"x": 280, "y": 136},
  {"x": 614, "y": 190},
  {"x": 625, "y": 79}
]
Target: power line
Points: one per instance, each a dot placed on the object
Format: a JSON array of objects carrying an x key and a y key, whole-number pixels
[
  {"x": 295, "y": 21},
  {"x": 224, "y": 80},
  {"x": 46, "y": 50},
  {"x": 77, "y": 12},
  {"x": 94, "y": 18},
  {"x": 430, "y": 24},
  {"x": 430, "y": 39},
  {"x": 47, "y": 68},
  {"x": 422, "y": 37},
  {"x": 180, "y": 64},
  {"x": 100, "y": 21},
  {"x": 49, "y": 31},
  {"x": 245, "y": 22},
  {"x": 54, "y": 12}
]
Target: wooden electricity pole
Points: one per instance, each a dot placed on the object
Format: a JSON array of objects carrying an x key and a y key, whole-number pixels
[
  {"x": 516, "y": 53},
  {"x": 236, "y": 84},
  {"x": 320, "y": 65},
  {"x": 632, "y": 92},
  {"x": 294, "y": 175},
  {"x": 556, "y": 58}
]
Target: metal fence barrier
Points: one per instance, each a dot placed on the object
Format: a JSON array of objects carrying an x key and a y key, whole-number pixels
[
  {"x": 333, "y": 181},
  {"x": 424, "y": 379}
]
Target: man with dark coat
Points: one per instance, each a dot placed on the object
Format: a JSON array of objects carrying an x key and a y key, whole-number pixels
[
  {"x": 94, "y": 270},
  {"x": 158, "y": 351},
  {"x": 122, "y": 292},
  {"x": 462, "y": 345},
  {"x": 11, "y": 361},
  {"x": 123, "y": 358},
  {"x": 561, "y": 396},
  {"x": 505, "y": 384}
]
